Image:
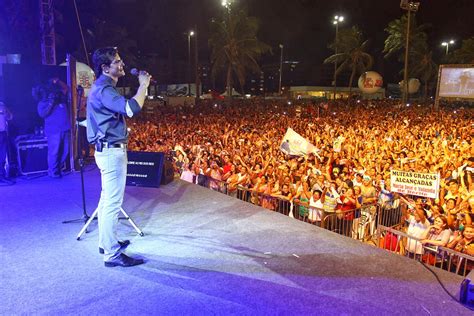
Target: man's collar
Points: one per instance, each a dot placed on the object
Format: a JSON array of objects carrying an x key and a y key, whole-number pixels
[{"x": 106, "y": 79}]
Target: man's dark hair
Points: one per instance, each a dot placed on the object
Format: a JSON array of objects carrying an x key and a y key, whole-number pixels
[
  {"x": 103, "y": 56},
  {"x": 451, "y": 199}
]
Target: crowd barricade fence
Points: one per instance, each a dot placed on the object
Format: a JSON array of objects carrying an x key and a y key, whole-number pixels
[
  {"x": 396, "y": 241},
  {"x": 374, "y": 223}
]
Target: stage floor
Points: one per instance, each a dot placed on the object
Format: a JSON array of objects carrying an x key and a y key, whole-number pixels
[{"x": 206, "y": 254}]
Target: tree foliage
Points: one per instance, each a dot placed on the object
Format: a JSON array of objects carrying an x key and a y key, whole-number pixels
[
  {"x": 352, "y": 54},
  {"x": 235, "y": 48},
  {"x": 396, "y": 39},
  {"x": 424, "y": 67},
  {"x": 465, "y": 54}
]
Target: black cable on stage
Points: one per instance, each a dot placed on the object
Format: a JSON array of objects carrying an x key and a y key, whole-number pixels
[{"x": 443, "y": 286}]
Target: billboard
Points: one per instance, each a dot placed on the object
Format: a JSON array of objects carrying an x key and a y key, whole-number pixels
[
  {"x": 177, "y": 90},
  {"x": 456, "y": 81}
]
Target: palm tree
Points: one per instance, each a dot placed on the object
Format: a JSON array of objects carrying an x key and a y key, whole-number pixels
[
  {"x": 396, "y": 40},
  {"x": 353, "y": 55},
  {"x": 235, "y": 47},
  {"x": 423, "y": 67},
  {"x": 465, "y": 54}
]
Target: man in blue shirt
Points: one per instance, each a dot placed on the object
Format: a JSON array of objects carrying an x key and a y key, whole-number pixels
[{"x": 107, "y": 130}]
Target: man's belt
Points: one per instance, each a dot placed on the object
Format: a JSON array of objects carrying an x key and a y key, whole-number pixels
[{"x": 101, "y": 145}]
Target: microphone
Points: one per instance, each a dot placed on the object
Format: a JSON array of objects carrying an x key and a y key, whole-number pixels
[{"x": 135, "y": 72}]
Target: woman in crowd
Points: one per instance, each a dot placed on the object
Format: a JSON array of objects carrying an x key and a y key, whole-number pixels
[
  {"x": 346, "y": 211},
  {"x": 437, "y": 234},
  {"x": 373, "y": 140}
]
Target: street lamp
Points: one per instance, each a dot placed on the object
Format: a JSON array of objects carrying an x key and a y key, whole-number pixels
[
  {"x": 447, "y": 45},
  {"x": 226, "y": 4},
  {"x": 281, "y": 68},
  {"x": 409, "y": 7},
  {"x": 337, "y": 19},
  {"x": 190, "y": 33}
]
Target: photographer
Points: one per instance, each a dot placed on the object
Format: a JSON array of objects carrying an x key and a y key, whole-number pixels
[
  {"x": 5, "y": 116},
  {"x": 54, "y": 109}
]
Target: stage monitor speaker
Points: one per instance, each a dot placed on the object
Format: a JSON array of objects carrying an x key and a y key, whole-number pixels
[
  {"x": 32, "y": 154},
  {"x": 466, "y": 294},
  {"x": 145, "y": 168},
  {"x": 168, "y": 172}
]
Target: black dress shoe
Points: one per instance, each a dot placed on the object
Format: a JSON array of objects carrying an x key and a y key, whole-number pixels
[
  {"x": 6, "y": 181},
  {"x": 124, "y": 261},
  {"x": 123, "y": 244}
]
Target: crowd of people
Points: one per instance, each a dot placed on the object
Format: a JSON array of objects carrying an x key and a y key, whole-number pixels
[{"x": 238, "y": 143}]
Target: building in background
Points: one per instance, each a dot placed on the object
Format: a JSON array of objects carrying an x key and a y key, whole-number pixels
[{"x": 327, "y": 93}]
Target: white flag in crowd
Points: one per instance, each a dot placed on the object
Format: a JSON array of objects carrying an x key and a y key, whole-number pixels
[
  {"x": 337, "y": 144},
  {"x": 296, "y": 145}
]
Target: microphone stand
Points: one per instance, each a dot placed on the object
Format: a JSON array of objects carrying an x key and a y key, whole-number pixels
[{"x": 85, "y": 217}]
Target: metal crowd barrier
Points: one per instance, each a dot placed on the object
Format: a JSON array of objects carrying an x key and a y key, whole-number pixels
[
  {"x": 373, "y": 222},
  {"x": 436, "y": 256},
  {"x": 213, "y": 184},
  {"x": 358, "y": 224}
]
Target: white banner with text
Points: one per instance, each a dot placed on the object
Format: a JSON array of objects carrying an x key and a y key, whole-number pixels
[{"x": 415, "y": 183}]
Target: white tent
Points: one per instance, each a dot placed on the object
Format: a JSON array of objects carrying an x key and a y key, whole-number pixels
[
  {"x": 234, "y": 93},
  {"x": 206, "y": 96}
]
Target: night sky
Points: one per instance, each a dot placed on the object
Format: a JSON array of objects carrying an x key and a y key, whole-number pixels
[{"x": 303, "y": 26}]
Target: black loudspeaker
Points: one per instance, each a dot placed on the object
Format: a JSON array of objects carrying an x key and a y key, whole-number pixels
[
  {"x": 32, "y": 154},
  {"x": 168, "y": 172},
  {"x": 466, "y": 293},
  {"x": 145, "y": 168}
]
